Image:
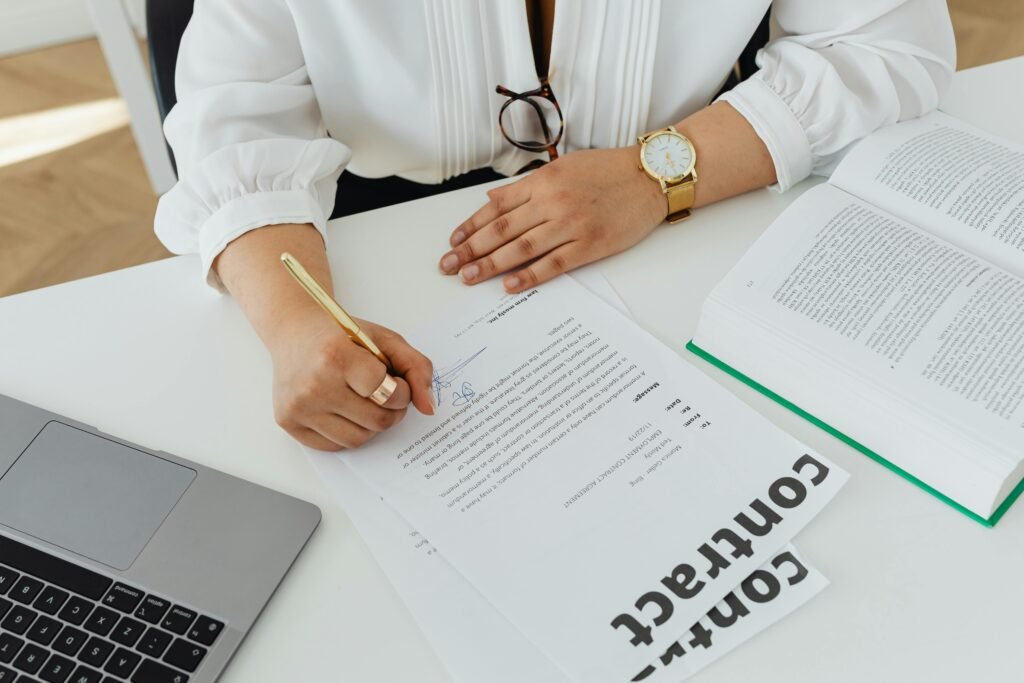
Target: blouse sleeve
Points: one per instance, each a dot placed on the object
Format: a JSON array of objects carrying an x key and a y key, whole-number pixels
[
  {"x": 839, "y": 70},
  {"x": 247, "y": 134}
]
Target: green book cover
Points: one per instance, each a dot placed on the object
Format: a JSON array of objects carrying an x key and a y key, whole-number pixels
[{"x": 990, "y": 522}]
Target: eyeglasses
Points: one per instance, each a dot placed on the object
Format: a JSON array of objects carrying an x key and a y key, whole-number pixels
[{"x": 544, "y": 106}]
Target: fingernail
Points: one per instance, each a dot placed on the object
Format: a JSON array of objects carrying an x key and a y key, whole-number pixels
[
  {"x": 470, "y": 272},
  {"x": 458, "y": 237},
  {"x": 449, "y": 263},
  {"x": 511, "y": 282}
]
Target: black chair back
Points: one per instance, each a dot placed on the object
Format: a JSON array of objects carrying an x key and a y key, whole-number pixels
[{"x": 165, "y": 23}]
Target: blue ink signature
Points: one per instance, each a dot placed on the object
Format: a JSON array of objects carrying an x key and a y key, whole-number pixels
[
  {"x": 464, "y": 395},
  {"x": 444, "y": 378}
]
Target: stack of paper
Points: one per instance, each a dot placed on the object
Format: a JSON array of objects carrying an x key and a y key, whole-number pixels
[{"x": 597, "y": 509}]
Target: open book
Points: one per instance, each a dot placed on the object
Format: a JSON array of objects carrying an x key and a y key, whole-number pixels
[{"x": 887, "y": 307}]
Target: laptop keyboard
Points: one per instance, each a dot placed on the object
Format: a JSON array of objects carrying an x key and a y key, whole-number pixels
[{"x": 62, "y": 623}]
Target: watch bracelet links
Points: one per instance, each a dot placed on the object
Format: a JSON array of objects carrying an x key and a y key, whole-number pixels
[{"x": 680, "y": 199}]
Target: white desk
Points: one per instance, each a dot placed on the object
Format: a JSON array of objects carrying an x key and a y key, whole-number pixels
[{"x": 919, "y": 591}]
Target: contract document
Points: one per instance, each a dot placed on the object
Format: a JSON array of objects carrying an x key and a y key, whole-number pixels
[
  {"x": 476, "y": 643},
  {"x": 599, "y": 492}
]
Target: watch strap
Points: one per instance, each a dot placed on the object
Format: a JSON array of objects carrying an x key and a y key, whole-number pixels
[{"x": 680, "y": 196}]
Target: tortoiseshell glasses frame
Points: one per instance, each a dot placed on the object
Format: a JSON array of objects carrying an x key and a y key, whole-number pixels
[{"x": 551, "y": 140}]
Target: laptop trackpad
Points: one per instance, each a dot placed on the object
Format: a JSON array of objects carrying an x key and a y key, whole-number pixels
[{"x": 90, "y": 495}]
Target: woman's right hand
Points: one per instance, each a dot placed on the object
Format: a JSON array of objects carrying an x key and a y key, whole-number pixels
[
  {"x": 322, "y": 381},
  {"x": 321, "y": 378}
]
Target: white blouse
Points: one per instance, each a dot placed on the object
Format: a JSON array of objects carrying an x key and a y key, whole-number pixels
[{"x": 276, "y": 97}]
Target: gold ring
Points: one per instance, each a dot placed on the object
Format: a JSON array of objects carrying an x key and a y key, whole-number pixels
[{"x": 382, "y": 393}]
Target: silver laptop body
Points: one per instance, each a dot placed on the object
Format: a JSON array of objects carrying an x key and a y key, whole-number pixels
[{"x": 129, "y": 563}]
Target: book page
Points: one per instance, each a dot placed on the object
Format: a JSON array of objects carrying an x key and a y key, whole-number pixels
[
  {"x": 476, "y": 643},
  {"x": 948, "y": 178},
  {"x": 599, "y": 492},
  {"x": 897, "y": 308}
]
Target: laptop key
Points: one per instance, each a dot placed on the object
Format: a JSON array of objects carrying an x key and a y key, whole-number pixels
[
  {"x": 70, "y": 641},
  {"x": 154, "y": 643},
  {"x": 30, "y": 659},
  {"x": 75, "y": 611},
  {"x": 18, "y": 620},
  {"x": 127, "y": 632},
  {"x": 53, "y": 569},
  {"x": 185, "y": 655},
  {"x": 50, "y": 600},
  {"x": 84, "y": 674},
  {"x": 5, "y": 606},
  {"x": 7, "y": 675},
  {"x": 95, "y": 652},
  {"x": 122, "y": 663},
  {"x": 9, "y": 646},
  {"x": 7, "y": 578},
  {"x": 57, "y": 669},
  {"x": 155, "y": 672},
  {"x": 44, "y": 630},
  {"x": 178, "y": 620},
  {"x": 101, "y": 621},
  {"x": 26, "y": 590},
  {"x": 152, "y": 609},
  {"x": 123, "y": 598},
  {"x": 205, "y": 630}
]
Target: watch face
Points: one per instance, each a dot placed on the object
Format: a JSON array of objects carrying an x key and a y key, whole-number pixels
[{"x": 668, "y": 156}]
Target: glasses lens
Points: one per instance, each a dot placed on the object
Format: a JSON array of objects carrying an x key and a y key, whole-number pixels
[{"x": 532, "y": 123}]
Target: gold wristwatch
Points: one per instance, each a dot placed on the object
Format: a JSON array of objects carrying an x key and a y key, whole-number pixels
[{"x": 667, "y": 156}]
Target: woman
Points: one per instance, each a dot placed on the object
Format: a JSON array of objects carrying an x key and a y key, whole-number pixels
[{"x": 277, "y": 97}]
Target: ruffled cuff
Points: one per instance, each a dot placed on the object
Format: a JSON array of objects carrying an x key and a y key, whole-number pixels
[
  {"x": 252, "y": 211},
  {"x": 248, "y": 186},
  {"x": 777, "y": 126}
]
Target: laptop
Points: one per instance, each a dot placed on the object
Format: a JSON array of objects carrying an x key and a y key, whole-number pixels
[{"x": 119, "y": 563}]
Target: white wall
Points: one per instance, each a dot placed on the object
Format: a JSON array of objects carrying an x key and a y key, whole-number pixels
[{"x": 32, "y": 24}]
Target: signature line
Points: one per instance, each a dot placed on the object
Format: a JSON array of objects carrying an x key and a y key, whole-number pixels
[{"x": 444, "y": 380}]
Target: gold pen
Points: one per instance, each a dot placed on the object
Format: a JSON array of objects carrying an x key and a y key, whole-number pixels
[{"x": 333, "y": 308}]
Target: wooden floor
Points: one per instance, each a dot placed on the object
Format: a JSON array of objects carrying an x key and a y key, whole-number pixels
[
  {"x": 87, "y": 207},
  {"x": 81, "y": 210}
]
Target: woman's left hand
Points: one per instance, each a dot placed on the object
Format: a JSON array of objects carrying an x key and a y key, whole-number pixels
[{"x": 579, "y": 208}]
